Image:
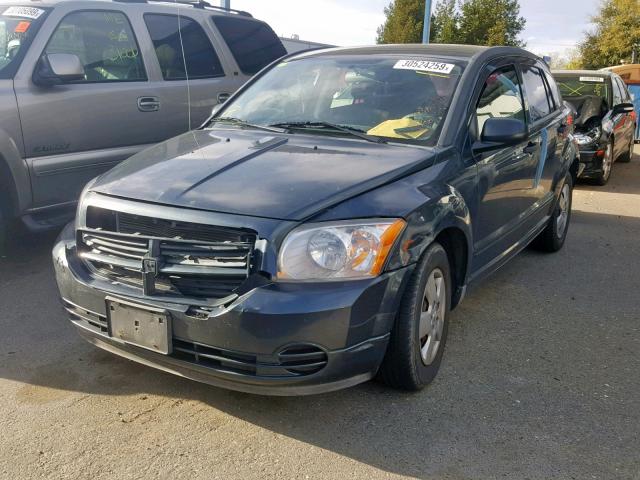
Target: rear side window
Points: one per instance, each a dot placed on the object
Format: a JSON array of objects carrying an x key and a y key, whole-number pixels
[
  {"x": 105, "y": 44},
  {"x": 201, "y": 59},
  {"x": 553, "y": 89},
  {"x": 253, "y": 44},
  {"x": 540, "y": 105},
  {"x": 501, "y": 97}
]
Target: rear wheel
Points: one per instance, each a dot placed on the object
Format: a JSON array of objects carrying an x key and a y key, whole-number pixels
[
  {"x": 607, "y": 164},
  {"x": 628, "y": 155},
  {"x": 554, "y": 235},
  {"x": 419, "y": 334}
]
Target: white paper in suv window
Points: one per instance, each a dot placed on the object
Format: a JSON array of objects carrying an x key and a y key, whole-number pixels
[
  {"x": 23, "y": 12},
  {"x": 424, "y": 66}
]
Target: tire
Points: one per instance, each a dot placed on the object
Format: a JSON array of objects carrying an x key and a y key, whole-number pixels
[
  {"x": 628, "y": 155},
  {"x": 409, "y": 363},
  {"x": 552, "y": 238},
  {"x": 607, "y": 165}
]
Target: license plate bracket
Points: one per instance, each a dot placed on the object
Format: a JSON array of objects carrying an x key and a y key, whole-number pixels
[{"x": 139, "y": 325}]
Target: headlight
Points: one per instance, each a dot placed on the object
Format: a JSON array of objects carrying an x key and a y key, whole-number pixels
[
  {"x": 342, "y": 250},
  {"x": 591, "y": 136}
]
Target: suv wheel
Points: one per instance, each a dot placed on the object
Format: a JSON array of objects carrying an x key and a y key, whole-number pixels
[
  {"x": 554, "y": 235},
  {"x": 628, "y": 155},
  {"x": 607, "y": 163},
  {"x": 419, "y": 334}
]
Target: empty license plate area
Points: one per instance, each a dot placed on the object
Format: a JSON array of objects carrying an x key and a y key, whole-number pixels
[{"x": 139, "y": 325}]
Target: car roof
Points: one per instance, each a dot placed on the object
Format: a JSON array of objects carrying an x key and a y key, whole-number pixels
[
  {"x": 458, "y": 52},
  {"x": 194, "y": 6}
]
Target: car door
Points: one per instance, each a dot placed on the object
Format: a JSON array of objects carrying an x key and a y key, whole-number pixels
[
  {"x": 504, "y": 175},
  {"x": 546, "y": 130},
  {"x": 75, "y": 131},
  {"x": 627, "y": 123},
  {"x": 183, "y": 43}
]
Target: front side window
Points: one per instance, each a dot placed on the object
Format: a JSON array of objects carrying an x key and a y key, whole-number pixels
[
  {"x": 18, "y": 27},
  {"x": 537, "y": 97},
  {"x": 172, "y": 36},
  {"x": 105, "y": 44},
  {"x": 501, "y": 97},
  {"x": 383, "y": 96},
  {"x": 253, "y": 44}
]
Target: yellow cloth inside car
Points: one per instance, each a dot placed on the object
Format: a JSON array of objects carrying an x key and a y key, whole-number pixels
[{"x": 396, "y": 128}]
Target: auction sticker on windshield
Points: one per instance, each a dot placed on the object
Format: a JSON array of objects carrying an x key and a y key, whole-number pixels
[
  {"x": 24, "y": 12},
  {"x": 592, "y": 79},
  {"x": 424, "y": 66}
]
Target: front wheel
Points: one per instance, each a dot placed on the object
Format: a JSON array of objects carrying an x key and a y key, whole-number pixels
[
  {"x": 607, "y": 164},
  {"x": 554, "y": 235},
  {"x": 419, "y": 334}
]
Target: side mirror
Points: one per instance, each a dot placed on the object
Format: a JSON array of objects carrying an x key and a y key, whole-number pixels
[
  {"x": 58, "y": 68},
  {"x": 623, "y": 108},
  {"x": 500, "y": 132}
]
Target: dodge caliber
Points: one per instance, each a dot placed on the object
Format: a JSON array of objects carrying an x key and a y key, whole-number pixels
[{"x": 319, "y": 228}]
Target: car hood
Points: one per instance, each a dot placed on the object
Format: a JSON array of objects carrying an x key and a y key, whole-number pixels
[{"x": 257, "y": 173}]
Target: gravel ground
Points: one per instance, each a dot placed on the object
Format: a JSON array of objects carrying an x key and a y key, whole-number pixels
[{"x": 541, "y": 380}]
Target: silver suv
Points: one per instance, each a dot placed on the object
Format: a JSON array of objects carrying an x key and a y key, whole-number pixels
[{"x": 86, "y": 84}]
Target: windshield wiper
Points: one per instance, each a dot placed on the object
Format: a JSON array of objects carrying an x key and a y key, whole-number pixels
[
  {"x": 356, "y": 132},
  {"x": 241, "y": 123}
]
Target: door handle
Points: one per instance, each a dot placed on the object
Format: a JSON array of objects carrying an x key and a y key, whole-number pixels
[
  {"x": 148, "y": 104},
  {"x": 223, "y": 97}
]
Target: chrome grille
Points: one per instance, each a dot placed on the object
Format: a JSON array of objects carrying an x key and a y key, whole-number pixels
[{"x": 174, "y": 267}]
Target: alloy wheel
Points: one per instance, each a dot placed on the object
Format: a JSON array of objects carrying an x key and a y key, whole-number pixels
[
  {"x": 432, "y": 316},
  {"x": 564, "y": 206},
  {"x": 607, "y": 162}
]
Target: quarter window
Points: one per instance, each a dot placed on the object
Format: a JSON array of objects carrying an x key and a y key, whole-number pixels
[
  {"x": 174, "y": 36},
  {"x": 540, "y": 105},
  {"x": 253, "y": 44},
  {"x": 501, "y": 97},
  {"x": 105, "y": 44}
]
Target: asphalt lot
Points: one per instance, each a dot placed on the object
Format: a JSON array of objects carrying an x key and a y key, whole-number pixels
[{"x": 541, "y": 380}]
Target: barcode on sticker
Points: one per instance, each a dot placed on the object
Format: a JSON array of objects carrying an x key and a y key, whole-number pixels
[
  {"x": 23, "y": 12},
  {"x": 592, "y": 79},
  {"x": 424, "y": 66}
]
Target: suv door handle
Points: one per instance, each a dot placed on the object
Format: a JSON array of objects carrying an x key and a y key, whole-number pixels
[
  {"x": 148, "y": 104},
  {"x": 223, "y": 97}
]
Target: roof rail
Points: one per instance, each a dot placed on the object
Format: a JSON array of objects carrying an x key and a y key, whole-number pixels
[{"x": 194, "y": 3}]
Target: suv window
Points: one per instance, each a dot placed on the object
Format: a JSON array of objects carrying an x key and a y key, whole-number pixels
[
  {"x": 105, "y": 44},
  {"x": 253, "y": 44},
  {"x": 540, "y": 105},
  {"x": 501, "y": 97},
  {"x": 201, "y": 59}
]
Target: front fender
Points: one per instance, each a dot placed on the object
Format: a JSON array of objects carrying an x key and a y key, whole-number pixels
[
  {"x": 14, "y": 174},
  {"x": 444, "y": 209}
]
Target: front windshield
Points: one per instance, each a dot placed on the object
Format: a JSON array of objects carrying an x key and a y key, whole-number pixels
[
  {"x": 389, "y": 97},
  {"x": 18, "y": 25}
]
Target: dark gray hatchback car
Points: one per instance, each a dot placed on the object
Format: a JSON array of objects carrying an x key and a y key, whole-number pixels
[{"x": 318, "y": 230}]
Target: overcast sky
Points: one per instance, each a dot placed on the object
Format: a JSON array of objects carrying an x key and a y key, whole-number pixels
[{"x": 552, "y": 25}]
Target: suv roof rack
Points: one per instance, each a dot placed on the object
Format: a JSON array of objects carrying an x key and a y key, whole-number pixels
[{"x": 194, "y": 3}]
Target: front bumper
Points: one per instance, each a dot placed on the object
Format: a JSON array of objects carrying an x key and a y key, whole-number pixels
[
  {"x": 342, "y": 327},
  {"x": 590, "y": 161}
]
